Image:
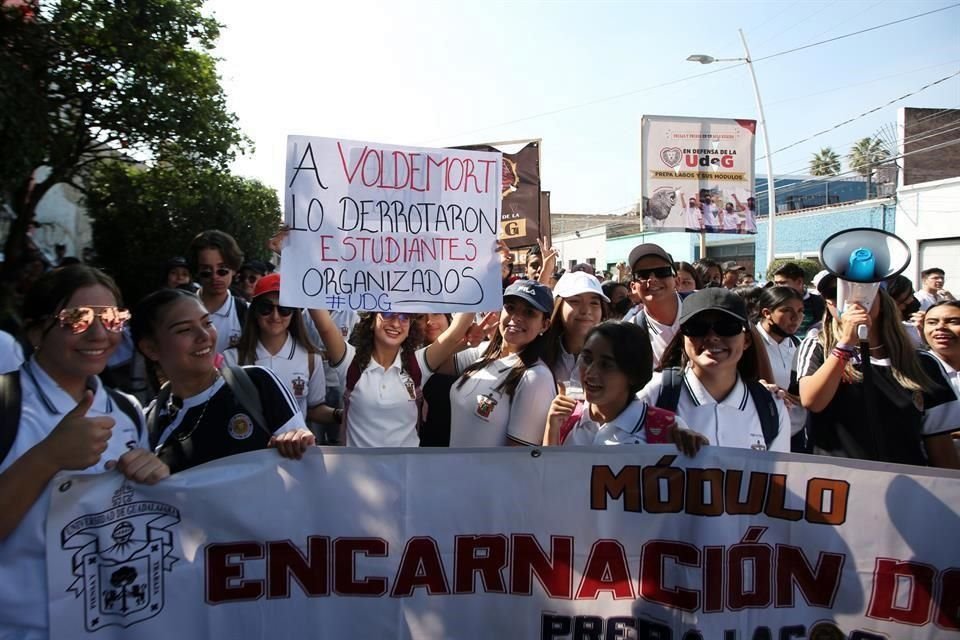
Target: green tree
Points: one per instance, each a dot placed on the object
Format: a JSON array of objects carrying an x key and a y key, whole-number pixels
[
  {"x": 142, "y": 217},
  {"x": 83, "y": 82},
  {"x": 864, "y": 157},
  {"x": 825, "y": 162}
]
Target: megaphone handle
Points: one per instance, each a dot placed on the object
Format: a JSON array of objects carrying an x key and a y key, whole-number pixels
[
  {"x": 863, "y": 332},
  {"x": 866, "y": 369}
]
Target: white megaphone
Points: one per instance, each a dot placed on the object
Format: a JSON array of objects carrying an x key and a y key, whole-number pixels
[{"x": 861, "y": 259}]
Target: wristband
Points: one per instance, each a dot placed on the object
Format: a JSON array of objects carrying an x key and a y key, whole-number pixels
[
  {"x": 845, "y": 347},
  {"x": 841, "y": 354}
]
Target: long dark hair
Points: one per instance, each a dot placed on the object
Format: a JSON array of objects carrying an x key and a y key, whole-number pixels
[
  {"x": 693, "y": 271},
  {"x": 528, "y": 357},
  {"x": 250, "y": 336},
  {"x": 143, "y": 322},
  {"x": 631, "y": 350},
  {"x": 362, "y": 338},
  {"x": 51, "y": 291},
  {"x": 553, "y": 342},
  {"x": 752, "y": 366}
]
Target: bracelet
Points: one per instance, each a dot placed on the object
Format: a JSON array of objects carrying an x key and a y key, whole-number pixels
[
  {"x": 845, "y": 347},
  {"x": 842, "y": 354}
]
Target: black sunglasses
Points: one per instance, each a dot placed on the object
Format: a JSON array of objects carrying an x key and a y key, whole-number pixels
[
  {"x": 206, "y": 275},
  {"x": 659, "y": 272},
  {"x": 265, "y": 308},
  {"x": 723, "y": 327}
]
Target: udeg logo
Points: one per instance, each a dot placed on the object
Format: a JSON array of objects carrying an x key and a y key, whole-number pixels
[{"x": 673, "y": 157}]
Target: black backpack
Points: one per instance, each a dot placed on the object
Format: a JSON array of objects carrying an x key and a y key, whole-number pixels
[
  {"x": 10, "y": 398},
  {"x": 672, "y": 382}
]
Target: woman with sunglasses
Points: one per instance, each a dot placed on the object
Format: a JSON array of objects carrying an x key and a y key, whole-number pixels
[
  {"x": 69, "y": 421},
  {"x": 275, "y": 338},
  {"x": 912, "y": 406},
  {"x": 199, "y": 417},
  {"x": 720, "y": 365},
  {"x": 382, "y": 371},
  {"x": 504, "y": 389},
  {"x": 215, "y": 257}
]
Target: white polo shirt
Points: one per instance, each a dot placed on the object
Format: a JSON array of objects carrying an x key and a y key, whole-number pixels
[
  {"x": 782, "y": 357},
  {"x": 292, "y": 366},
  {"x": 481, "y": 415},
  {"x": 730, "y": 220},
  {"x": 627, "y": 428},
  {"x": 732, "y": 422},
  {"x": 660, "y": 334},
  {"x": 382, "y": 409},
  {"x": 227, "y": 323},
  {"x": 566, "y": 367},
  {"x": 23, "y": 569},
  {"x": 11, "y": 353},
  {"x": 346, "y": 320}
]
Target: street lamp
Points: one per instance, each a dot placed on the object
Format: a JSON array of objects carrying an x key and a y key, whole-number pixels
[{"x": 771, "y": 192}]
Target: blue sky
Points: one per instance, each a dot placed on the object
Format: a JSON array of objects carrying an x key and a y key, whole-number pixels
[{"x": 574, "y": 74}]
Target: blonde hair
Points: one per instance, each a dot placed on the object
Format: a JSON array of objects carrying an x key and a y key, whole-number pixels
[{"x": 904, "y": 362}]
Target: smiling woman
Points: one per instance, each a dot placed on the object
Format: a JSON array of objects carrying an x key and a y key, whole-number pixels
[{"x": 197, "y": 416}]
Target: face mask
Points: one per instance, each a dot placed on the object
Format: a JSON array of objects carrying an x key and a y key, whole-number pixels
[{"x": 622, "y": 307}]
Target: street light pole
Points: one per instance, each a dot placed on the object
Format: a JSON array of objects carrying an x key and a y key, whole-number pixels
[{"x": 771, "y": 190}]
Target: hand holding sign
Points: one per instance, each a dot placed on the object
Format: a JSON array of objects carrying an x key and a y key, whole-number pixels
[{"x": 77, "y": 442}]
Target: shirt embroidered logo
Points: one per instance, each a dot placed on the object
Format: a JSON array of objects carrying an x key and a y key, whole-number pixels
[
  {"x": 299, "y": 386},
  {"x": 234, "y": 339},
  {"x": 240, "y": 427},
  {"x": 485, "y": 405}
]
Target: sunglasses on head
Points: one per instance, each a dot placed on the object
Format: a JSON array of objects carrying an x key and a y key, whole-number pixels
[
  {"x": 79, "y": 319},
  {"x": 659, "y": 272},
  {"x": 401, "y": 317},
  {"x": 208, "y": 273},
  {"x": 265, "y": 308},
  {"x": 723, "y": 327}
]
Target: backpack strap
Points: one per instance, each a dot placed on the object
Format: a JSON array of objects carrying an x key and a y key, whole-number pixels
[
  {"x": 310, "y": 362},
  {"x": 241, "y": 306},
  {"x": 123, "y": 403},
  {"x": 246, "y": 393},
  {"x": 153, "y": 432},
  {"x": 412, "y": 367},
  {"x": 570, "y": 423},
  {"x": 9, "y": 411},
  {"x": 671, "y": 382},
  {"x": 766, "y": 408}
]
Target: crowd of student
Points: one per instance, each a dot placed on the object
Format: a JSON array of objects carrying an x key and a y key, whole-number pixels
[{"x": 669, "y": 356}]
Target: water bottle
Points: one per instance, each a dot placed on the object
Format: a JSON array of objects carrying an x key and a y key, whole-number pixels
[{"x": 862, "y": 266}]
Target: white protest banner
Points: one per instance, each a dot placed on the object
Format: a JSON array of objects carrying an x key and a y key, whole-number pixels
[
  {"x": 697, "y": 174},
  {"x": 509, "y": 543},
  {"x": 377, "y": 227}
]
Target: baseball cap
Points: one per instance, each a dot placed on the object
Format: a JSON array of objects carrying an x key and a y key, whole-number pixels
[
  {"x": 585, "y": 267},
  {"x": 267, "y": 284},
  {"x": 254, "y": 265},
  {"x": 176, "y": 262},
  {"x": 534, "y": 293},
  {"x": 715, "y": 299},
  {"x": 577, "y": 282},
  {"x": 826, "y": 283},
  {"x": 731, "y": 266},
  {"x": 648, "y": 249}
]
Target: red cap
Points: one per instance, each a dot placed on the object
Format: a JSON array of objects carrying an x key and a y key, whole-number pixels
[{"x": 267, "y": 284}]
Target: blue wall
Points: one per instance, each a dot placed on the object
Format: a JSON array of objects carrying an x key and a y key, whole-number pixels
[
  {"x": 802, "y": 234},
  {"x": 679, "y": 245},
  {"x": 798, "y": 193}
]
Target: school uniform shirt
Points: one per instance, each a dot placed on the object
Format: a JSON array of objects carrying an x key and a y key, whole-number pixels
[
  {"x": 346, "y": 320},
  {"x": 731, "y": 422},
  {"x": 627, "y": 428},
  {"x": 951, "y": 374},
  {"x": 23, "y": 575},
  {"x": 782, "y": 356},
  {"x": 730, "y": 222},
  {"x": 926, "y": 299},
  {"x": 291, "y": 365},
  {"x": 566, "y": 366},
  {"x": 227, "y": 323},
  {"x": 11, "y": 353},
  {"x": 903, "y": 417},
  {"x": 660, "y": 334},
  {"x": 382, "y": 409},
  {"x": 483, "y": 415},
  {"x": 214, "y": 424}
]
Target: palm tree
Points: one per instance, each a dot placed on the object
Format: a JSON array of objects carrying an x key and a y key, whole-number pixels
[
  {"x": 825, "y": 163},
  {"x": 865, "y": 155}
]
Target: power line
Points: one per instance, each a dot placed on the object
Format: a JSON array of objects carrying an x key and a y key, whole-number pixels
[
  {"x": 864, "y": 114},
  {"x": 855, "y": 33}
]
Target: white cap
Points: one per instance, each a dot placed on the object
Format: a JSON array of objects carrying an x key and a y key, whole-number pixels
[
  {"x": 820, "y": 276},
  {"x": 574, "y": 283}
]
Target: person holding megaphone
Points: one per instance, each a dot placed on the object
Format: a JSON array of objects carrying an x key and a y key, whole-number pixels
[
  {"x": 56, "y": 415},
  {"x": 869, "y": 392}
]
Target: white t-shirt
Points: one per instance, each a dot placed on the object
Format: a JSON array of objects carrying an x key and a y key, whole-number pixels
[
  {"x": 227, "y": 323},
  {"x": 382, "y": 408},
  {"x": 730, "y": 220},
  {"x": 11, "y": 353},
  {"x": 709, "y": 212},
  {"x": 693, "y": 218},
  {"x": 23, "y": 572},
  {"x": 749, "y": 221},
  {"x": 627, "y": 428},
  {"x": 481, "y": 415},
  {"x": 732, "y": 422},
  {"x": 292, "y": 367}
]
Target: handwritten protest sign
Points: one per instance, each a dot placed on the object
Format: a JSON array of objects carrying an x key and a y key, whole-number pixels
[{"x": 378, "y": 227}]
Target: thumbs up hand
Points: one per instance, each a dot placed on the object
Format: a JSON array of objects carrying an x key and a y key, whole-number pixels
[{"x": 77, "y": 442}]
